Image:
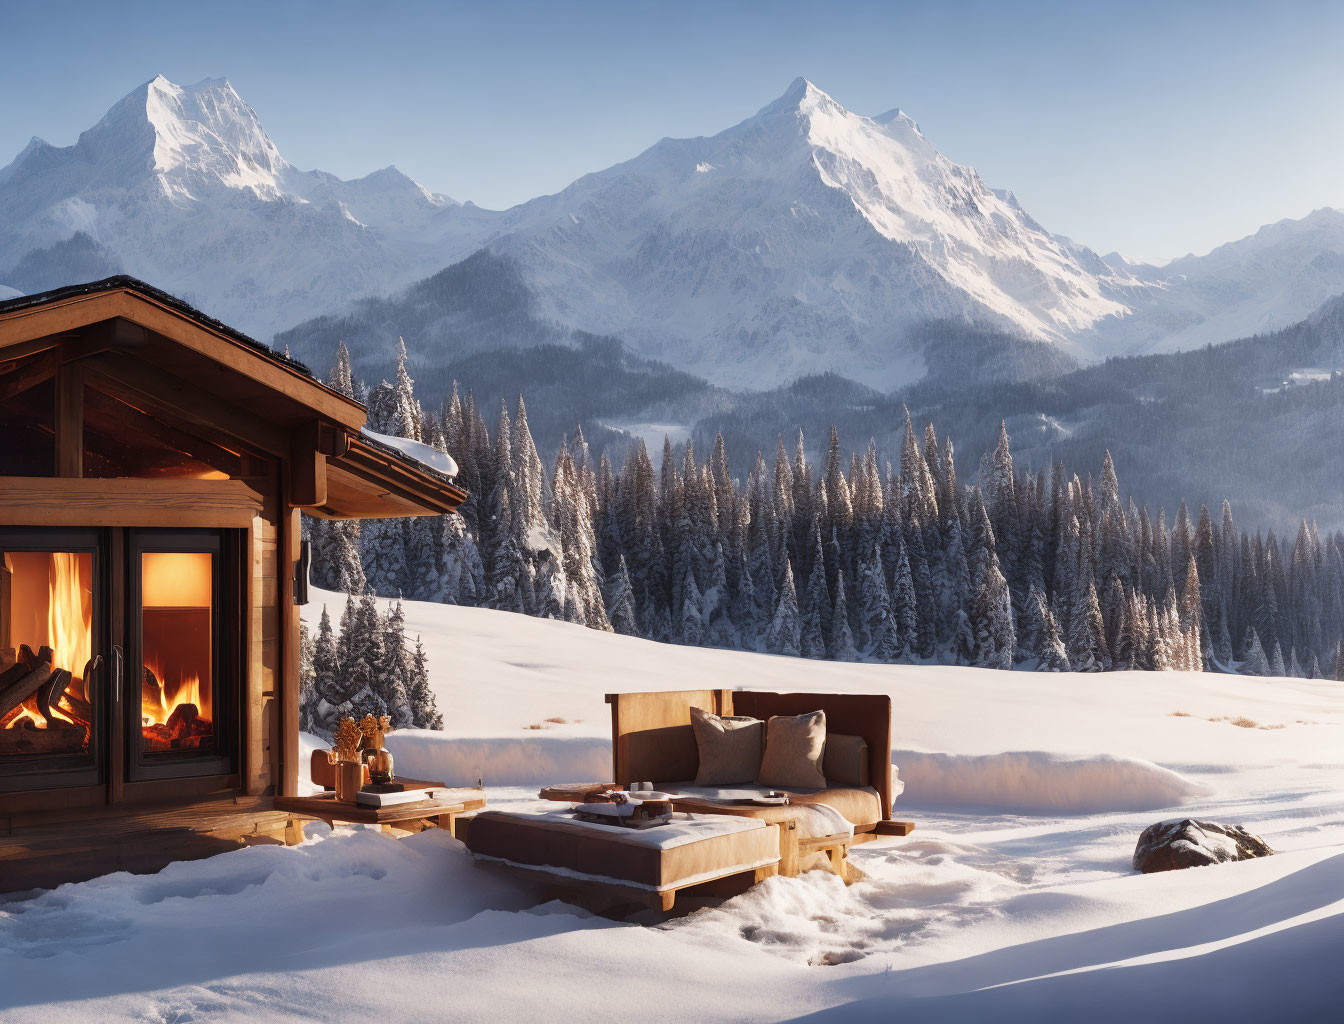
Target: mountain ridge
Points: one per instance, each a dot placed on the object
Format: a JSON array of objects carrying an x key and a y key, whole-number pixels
[{"x": 804, "y": 238}]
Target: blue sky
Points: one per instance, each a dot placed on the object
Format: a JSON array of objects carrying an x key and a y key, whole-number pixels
[{"x": 1152, "y": 128}]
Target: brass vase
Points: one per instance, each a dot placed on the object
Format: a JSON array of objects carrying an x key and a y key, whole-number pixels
[{"x": 349, "y": 779}]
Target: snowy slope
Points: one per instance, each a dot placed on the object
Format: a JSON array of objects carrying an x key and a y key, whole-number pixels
[{"x": 979, "y": 915}]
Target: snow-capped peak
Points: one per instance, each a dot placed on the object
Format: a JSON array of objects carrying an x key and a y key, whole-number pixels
[{"x": 207, "y": 128}]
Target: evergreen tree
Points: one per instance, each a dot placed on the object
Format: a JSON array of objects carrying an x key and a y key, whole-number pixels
[
  {"x": 841, "y": 641},
  {"x": 1254, "y": 662},
  {"x": 992, "y": 620},
  {"x": 903, "y": 607},
  {"x": 424, "y": 709},
  {"x": 621, "y": 601},
  {"x": 307, "y": 685},
  {"x": 783, "y": 636},
  {"x": 391, "y": 671},
  {"x": 692, "y": 613}
]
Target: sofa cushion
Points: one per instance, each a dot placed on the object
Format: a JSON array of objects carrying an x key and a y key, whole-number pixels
[
  {"x": 846, "y": 760},
  {"x": 729, "y": 747},
  {"x": 794, "y": 747}
]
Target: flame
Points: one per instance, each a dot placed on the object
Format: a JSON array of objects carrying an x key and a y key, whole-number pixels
[
  {"x": 189, "y": 691},
  {"x": 27, "y": 712},
  {"x": 69, "y": 615}
]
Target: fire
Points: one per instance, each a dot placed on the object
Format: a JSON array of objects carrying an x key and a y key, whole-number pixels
[
  {"x": 69, "y": 615},
  {"x": 189, "y": 691}
]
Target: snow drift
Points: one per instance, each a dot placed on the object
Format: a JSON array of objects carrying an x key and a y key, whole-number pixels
[
  {"x": 500, "y": 761},
  {"x": 1039, "y": 782}
]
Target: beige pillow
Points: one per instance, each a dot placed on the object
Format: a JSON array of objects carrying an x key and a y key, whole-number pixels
[
  {"x": 793, "y": 752},
  {"x": 846, "y": 760},
  {"x": 730, "y": 748}
]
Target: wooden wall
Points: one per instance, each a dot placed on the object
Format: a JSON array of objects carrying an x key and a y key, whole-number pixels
[{"x": 262, "y": 678}]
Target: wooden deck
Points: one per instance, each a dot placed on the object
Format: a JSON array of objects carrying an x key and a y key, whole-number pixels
[{"x": 42, "y": 850}]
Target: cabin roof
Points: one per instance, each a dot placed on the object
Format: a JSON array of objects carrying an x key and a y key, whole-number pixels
[
  {"x": 119, "y": 282},
  {"x": 264, "y": 393}
]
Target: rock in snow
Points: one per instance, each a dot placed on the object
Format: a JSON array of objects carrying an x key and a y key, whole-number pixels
[{"x": 1188, "y": 843}]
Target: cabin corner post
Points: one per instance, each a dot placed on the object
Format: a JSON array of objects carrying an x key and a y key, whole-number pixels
[{"x": 288, "y": 703}]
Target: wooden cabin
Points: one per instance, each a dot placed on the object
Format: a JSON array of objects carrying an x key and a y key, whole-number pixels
[{"x": 153, "y": 466}]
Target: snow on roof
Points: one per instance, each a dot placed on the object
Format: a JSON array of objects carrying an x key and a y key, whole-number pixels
[{"x": 436, "y": 460}]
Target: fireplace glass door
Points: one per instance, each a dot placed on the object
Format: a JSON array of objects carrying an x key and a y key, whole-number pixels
[
  {"x": 176, "y": 687},
  {"x": 51, "y": 672}
]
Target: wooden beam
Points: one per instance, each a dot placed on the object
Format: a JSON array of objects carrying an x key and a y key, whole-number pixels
[
  {"x": 307, "y": 467},
  {"x": 29, "y": 375},
  {"x": 332, "y": 441},
  {"x": 188, "y": 444},
  {"x": 151, "y": 390},
  {"x": 57, "y": 501},
  {"x": 70, "y": 421}
]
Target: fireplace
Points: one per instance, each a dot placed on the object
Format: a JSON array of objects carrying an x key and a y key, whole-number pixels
[
  {"x": 50, "y": 674},
  {"x": 183, "y": 653},
  {"x": 119, "y": 655}
]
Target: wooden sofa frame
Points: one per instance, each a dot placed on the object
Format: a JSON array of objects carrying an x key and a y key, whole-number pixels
[{"x": 652, "y": 739}]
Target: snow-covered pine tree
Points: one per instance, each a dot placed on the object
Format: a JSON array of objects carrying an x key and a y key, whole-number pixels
[
  {"x": 720, "y": 630},
  {"x": 392, "y": 669},
  {"x": 692, "y": 632},
  {"x": 552, "y": 588},
  {"x": 783, "y": 637},
  {"x": 1294, "y": 667},
  {"x": 341, "y": 378},
  {"x": 992, "y": 620},
  {"x": 461, "y": 574},
  {"x": 425, "y": 712},
  {"x": 841, "y": 640},
  {"x": 1087, "y": 640},
  {"x": 307, "y": 686},
  {"x": 326, "y": 676},
  {"x": 903, "y": 607},
  {"x": 621, "y": 601},
  {"x": 817, "y": 602},
  {"x": 1254, "y": 662},
  {"x": 1276, "y": 666},
  {"x": 572, "y": 523},
  {"x": 1048, "y": 645}
]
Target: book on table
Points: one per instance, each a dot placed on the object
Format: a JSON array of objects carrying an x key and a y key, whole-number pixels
[{"x": 409, "y": 796}]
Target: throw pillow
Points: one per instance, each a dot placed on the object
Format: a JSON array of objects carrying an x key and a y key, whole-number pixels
[
  {"x": 794, "y": 748},
  {"x": 730, "y": 748}
]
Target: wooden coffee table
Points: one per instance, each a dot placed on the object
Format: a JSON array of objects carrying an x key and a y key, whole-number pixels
[{"x": 442, "y": 811}]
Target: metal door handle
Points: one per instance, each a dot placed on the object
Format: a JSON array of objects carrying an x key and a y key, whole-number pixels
[{"x": 116, "y": 673}]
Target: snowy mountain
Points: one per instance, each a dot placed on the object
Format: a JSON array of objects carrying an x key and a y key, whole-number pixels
[
  {"x": 183, "y": 187},
  {"x": 1264, "y": 282},
  {"x": 805, "y": 239}
]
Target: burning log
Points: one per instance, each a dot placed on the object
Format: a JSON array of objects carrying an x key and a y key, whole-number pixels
[
  {"x": 26, "y": 738},
  {"x": 17, "y": 687}
]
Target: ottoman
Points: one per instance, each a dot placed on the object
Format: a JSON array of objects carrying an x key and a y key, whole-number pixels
[{"x": 648, "y": 865}]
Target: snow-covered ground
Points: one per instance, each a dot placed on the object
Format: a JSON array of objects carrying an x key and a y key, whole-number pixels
[{"x": 1014, "y": 900}]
